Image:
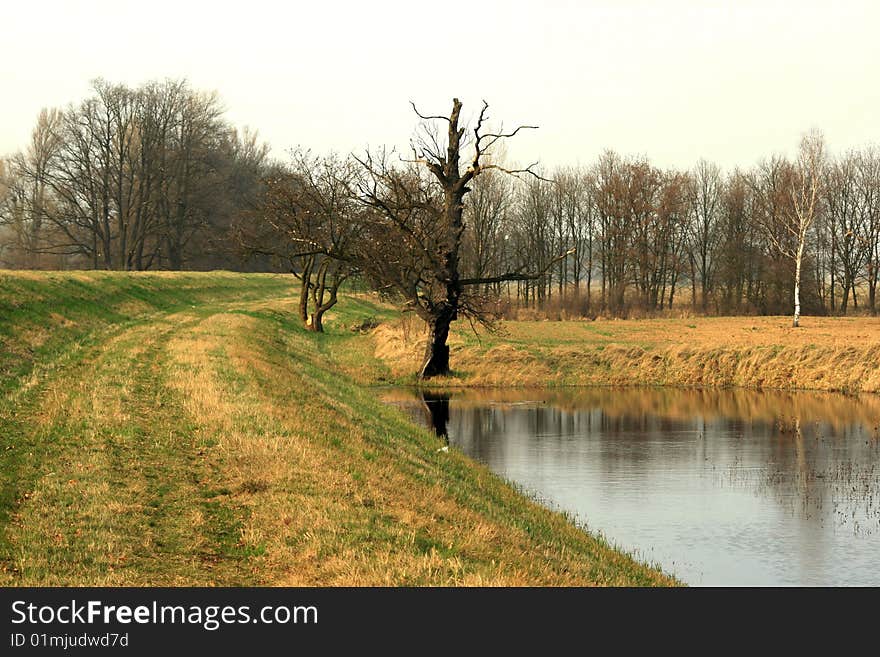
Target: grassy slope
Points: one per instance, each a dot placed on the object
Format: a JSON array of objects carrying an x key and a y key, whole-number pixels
[
  {"x": 839, "y": 354},
  {"x": 183, "y": 429}
]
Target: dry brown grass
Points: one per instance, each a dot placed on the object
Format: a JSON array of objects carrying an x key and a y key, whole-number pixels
[{"x": 839, "y": 354}]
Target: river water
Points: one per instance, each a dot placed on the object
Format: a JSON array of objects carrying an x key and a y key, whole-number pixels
[{"x": 718, "y": 487}]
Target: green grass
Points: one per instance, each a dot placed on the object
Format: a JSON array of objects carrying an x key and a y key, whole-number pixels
[{"x": 184, "y": 429}]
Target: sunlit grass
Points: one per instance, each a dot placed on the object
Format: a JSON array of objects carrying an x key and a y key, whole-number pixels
[{"x": 834, "y": 354}]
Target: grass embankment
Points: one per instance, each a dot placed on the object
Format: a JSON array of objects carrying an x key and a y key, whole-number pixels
[
  {"x": 832, "y": 354},
  {"x": 183, "y": 429}
]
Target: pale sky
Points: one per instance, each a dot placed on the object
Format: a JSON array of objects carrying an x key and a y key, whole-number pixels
[{"x": 674, "y": 79}]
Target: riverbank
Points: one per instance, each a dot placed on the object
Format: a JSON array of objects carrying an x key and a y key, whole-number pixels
[
  {"x": 839, "y": 354},
  {"x": 184, "y": 429}
]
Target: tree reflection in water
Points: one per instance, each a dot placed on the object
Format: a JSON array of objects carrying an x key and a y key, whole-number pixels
[{"x": 437, "y": 404}]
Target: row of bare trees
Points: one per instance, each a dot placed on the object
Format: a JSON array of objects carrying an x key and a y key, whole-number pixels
[
  {"x": 154, "y": 177},
  {"x": 128, "y": 179},
  {"x": 805, "y": 230}
]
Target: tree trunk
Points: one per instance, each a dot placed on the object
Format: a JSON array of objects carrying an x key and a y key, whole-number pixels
[
  {"x": 589, "y": 275},
  {"x": 305, "y": 285},
  {"x": 797, "y": 285},
  {"x": 833, "y": 265},
  {"x": 175, "y": 257},
  {"x": 437, "y": 351},
  {"x": 872, "y": 288},
  {"x": 139, "y": 256},
  {"x": 319, "y": 289},
  {"x": 693, "y": 285}
]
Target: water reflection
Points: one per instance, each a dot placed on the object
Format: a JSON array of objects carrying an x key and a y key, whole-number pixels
[
  {"x": 720, "y": 487},
  {"x": 437, "y": 405}
]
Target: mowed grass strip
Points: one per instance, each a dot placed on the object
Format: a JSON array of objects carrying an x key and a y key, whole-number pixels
[
  {"x": 55, "y": 332},
  {"x": 125, "y": 493}
]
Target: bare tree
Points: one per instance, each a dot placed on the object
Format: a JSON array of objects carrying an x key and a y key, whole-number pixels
[
  {"x": 739, "y": 254},
  {"x": 848, "y": 223},
  {"x": 672, "y": 219},
  {"x": 423, "y": 216},
  {"x": 868, "y": 176},
  {"x": 82, "y": 183},
  {"x": 486, "y": 215},
  {"x": 129, "y": 177},
  {"x": 154, "y": 177},
  {"x": 579, "y": 210},
  {"x": 31, "y": 169},
  {"x": 308, "y": 218},
  {"x": 534, "y": 238},
  {"x": 7, "y": 209},
  {"x": 704, "y": 198},
  {"x": 790, "y": 196},
  {"x": 611, "y": 189},
  {"x": 185, "y": 196},
  {"x": 807, "y": 191}
]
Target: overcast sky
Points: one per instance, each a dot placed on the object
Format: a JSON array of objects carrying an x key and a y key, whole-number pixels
[{"x": 674, "y": 79}]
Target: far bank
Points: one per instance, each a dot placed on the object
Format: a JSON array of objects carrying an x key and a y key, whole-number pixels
[{"x": 840, "y": 354}]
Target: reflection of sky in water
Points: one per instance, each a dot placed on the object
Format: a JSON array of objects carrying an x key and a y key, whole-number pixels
[{"x": 717, "y": 491}]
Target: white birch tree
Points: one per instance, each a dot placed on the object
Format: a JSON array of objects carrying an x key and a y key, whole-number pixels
[{"x": 790, "y": 196}]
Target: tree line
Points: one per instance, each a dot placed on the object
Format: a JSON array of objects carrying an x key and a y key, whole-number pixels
[
  {"x": 129, "y": 179},
  {"x": 723, "y": 243},
  {"x": 154, "y": 177}
]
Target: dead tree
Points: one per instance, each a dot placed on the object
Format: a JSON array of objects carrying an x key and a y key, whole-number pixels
[{"x": 415, "y": 223}]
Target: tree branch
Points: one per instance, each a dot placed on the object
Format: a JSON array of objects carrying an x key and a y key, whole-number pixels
[
  {"x": 426, "y": 118},
  {"x": 516, "y": 172},
  {"x": 517, "y": 275}
]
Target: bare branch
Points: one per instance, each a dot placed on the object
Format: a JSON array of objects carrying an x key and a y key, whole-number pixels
[
  {"x": 517, "y": 275},
  {"x": 505, "y": 135},
  {"x": 516, "y": 172},
  {"x": 425, "y": 117}
]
